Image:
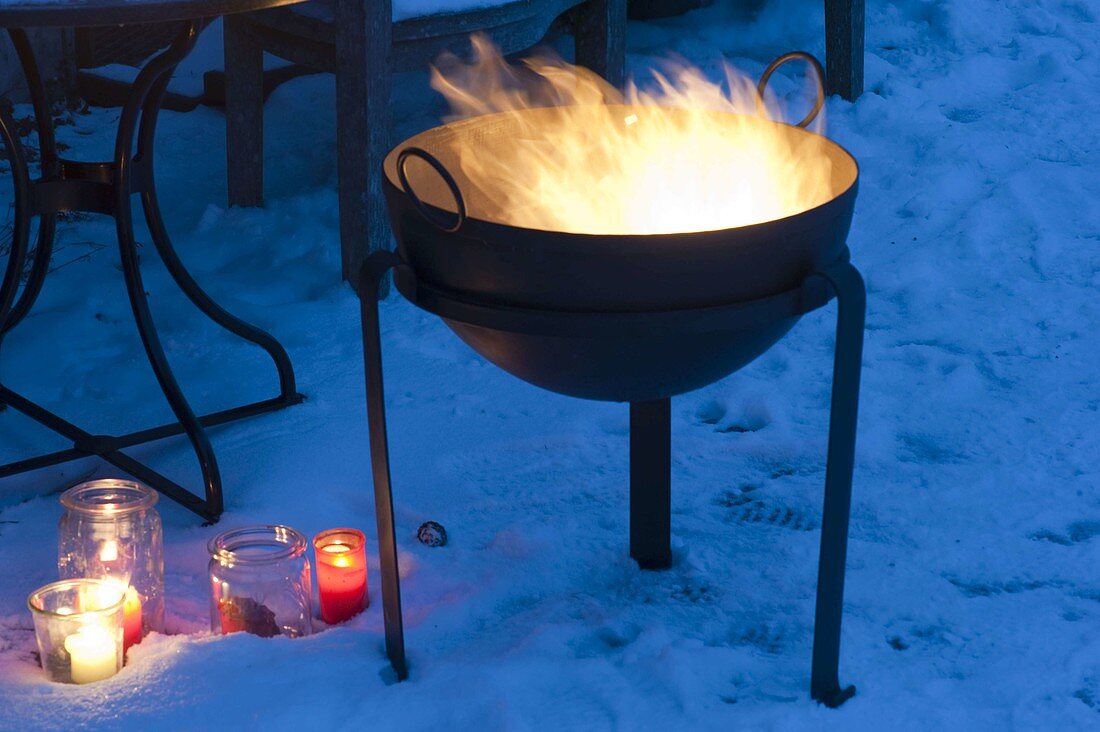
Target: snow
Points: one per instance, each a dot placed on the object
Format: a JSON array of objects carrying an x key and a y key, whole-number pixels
[{"x": 973, "y": 597}]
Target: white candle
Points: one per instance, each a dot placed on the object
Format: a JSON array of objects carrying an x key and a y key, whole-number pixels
[{"x": 93, "y": 653}]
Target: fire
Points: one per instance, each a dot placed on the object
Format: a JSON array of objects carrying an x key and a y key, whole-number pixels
[
  {"x": 691, "y": 155},
  {"x": 109, "y": 552}
]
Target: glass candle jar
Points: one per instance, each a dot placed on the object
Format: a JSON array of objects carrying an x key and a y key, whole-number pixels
[
  {"x": 341, "y": 573},
  {"x": 260, "y": 582},
  {"x": 79, "y": 627},
  {"x": 110, "y": 530}
]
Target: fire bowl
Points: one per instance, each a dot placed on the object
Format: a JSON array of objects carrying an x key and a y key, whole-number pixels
[{"x": 607, "y": 317}]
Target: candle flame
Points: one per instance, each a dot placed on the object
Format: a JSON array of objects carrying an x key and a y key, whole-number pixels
[
  {"x": 342, "y": 552},
  {"x": 109, "y": 552}
]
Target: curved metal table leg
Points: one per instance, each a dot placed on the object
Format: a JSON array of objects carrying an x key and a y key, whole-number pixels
[
  {"x": 17, "y": 255},
  {"x": 846, "y": 281},
  {"x": 370, "y": 281},
  {"x": 16, "y": 310},
  {"x": 107, "y": 188},
  {"x": 156, "y": 73},
  {"x": 195, "y": 293}
]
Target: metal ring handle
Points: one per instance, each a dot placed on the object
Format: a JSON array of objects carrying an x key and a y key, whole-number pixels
[
  {"x": 427, "y": 157},
  {"x": 819, "y": 74}
]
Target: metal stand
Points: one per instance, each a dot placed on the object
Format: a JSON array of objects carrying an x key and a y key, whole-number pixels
[
  {"x": 106, "y": 188},
  {"x": 651, "y": 483},
  {"x": 847, "y": 283},
  {"x": 370, "y": 285},
  {"x": 650, "y": 456}
]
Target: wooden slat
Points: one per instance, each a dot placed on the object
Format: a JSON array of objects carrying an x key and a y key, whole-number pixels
[{"x": 844, "y": 47}]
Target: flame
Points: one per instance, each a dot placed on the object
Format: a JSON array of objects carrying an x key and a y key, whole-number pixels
[
  {"x": 691, "y": 155},
  {"x": 109, "y": 551},
  {"x": 342, "y": 558}
]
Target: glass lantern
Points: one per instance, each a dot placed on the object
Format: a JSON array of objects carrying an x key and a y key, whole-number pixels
[
  {"x": 79, "y": 627},
  {"x": 260, "y": 582},
  {"x": 110, "y": 530}
]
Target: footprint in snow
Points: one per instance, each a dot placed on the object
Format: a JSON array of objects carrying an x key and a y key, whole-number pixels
[
  {"x": 764, "y": 638},
  {"x": 754, "y": 417},
  {"x": 1076, "y": 533},
  {"x": 693, "y": 592},
  {"x": 747, "y": 509},
  {"x": 1089, "y": 694},
  {"x": 710, "y": 412},
  {"x": 977, "y": 588}
]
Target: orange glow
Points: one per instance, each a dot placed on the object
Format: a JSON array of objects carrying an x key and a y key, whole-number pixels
[
  {"x": 109, "y": 552},
  {"x": 341, "y": 574},
  {"x": 341, "y": 555},
  {"x": 692, "y": 155}
]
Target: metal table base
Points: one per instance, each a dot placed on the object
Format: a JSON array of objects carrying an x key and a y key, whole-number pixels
[{"x": 107, "y": 188}]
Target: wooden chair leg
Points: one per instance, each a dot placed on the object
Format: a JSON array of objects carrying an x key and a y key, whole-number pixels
[
  {"x": 363, "y": 78},
  {"x": 244, "y": 114},
  {"x": 600, "y": 37},
  {"x": 844, "y": 48}
]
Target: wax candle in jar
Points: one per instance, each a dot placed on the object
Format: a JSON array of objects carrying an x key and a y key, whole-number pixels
[
  {"x": 78, "y": 624},
  {"x": 110, "y": 530},
  {"x": 93, "y": 654},
  {"x": 131, "y": 619},
  {"x": 341, "y": 573},
  {"x": 132, "y": 629}
]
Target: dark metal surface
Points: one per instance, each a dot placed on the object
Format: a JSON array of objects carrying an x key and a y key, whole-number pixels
[
  {"x": 651, "y": 483},
  {"x": 96, "y": 13},
  {"x": 447, "y": 225},
  {"x": 819, "y": 79},
  {"x": 846, "y": 281},
  {"x": 50, "y": 165},
  {"x": 613, "y": 356},
  {"x": 650, "y": 445},
  {"x": 107, "y": 188},
  {"x": 374, "y": 269}
]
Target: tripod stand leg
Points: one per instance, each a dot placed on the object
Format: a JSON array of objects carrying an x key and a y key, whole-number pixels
[
  {"x": 852, "y": 301},
  {"x": 374, "y": 269},
  {"x": 650, "y": 483}
]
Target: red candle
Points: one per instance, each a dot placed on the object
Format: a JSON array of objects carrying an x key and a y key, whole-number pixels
[
  {"x": 341, "y": 573},
  {"x": 131, "y": 608},
  {"x": 131, "y": 619}
]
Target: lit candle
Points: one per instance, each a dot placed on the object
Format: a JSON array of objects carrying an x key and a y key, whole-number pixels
[
  {"x": 93, "y": 654},
  {"x": 131, "y": 619},
  {"x": 341, "y": 573},
  {"x": 132, "y": 630},
  {"x": 109, "y": 553}
]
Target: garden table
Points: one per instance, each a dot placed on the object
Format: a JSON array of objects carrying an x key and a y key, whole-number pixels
[{"x": 107, "y": 188}]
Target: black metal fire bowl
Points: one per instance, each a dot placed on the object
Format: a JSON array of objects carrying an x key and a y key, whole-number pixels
[
  {"x": 609, "y": 317},
  {"x": 629, "y": 356},
  {"x": 622, "y": 318}
]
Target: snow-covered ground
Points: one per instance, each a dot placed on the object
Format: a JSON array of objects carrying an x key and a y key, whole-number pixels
[{"x": 973, "y": 596}]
